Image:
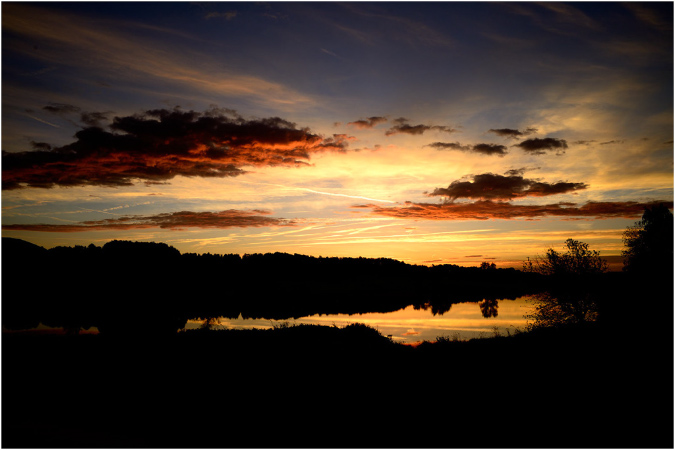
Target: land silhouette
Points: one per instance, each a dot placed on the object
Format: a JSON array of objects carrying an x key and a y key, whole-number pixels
[
  {"x": 603, "y": 378},
  {"x": 125, "y": 287}
]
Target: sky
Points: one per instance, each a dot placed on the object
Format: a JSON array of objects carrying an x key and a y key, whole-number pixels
[{"x": 431, "y": 133}]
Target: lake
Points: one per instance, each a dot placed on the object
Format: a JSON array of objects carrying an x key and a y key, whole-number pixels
[{"x": 409, "y": 325}]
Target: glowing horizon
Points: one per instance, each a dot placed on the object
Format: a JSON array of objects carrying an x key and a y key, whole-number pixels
[{"x": 430, "y": 133}]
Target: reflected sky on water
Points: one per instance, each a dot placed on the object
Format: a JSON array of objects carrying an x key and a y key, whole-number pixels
[{"x": 463, "y": 321}]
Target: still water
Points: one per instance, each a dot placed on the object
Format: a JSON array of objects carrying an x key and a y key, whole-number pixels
[{"x": 463, "y": 321}]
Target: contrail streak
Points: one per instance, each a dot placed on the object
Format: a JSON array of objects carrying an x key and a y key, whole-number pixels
[
  {"x": 43, "y": 121},
  {"x": 97, "y": 210},
  {"x": 321, "y": 192}
]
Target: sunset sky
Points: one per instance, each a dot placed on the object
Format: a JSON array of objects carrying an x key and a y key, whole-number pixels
[{"x": 432, "y": 133}]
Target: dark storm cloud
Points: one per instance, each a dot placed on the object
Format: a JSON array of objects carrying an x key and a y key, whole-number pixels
[
  {"x": 485, "y": 149},
  {"x": 538, "y": 146},
  {"x": 172, "y": 221},
  {"x": 370, "y": 122},
  {"x": 160, "y": 144},
  {"x": 488, "y": 210},
  {"x": 402, "y": 126},
  {"x": 489, "y": 186},
  {"x": 511, "y": 133}
]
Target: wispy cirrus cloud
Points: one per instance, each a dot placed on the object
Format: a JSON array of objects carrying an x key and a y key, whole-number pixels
[
  {"x": 108, "y": 49},
  {"x": 160, "y": 144},
  {"x": 172, "y": 221}
]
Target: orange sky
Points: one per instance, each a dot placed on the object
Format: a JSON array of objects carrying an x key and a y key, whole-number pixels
[{"x": 445, "y": 133}]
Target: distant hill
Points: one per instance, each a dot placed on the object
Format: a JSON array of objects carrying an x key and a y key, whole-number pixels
[{"x": 17, "y": 246}]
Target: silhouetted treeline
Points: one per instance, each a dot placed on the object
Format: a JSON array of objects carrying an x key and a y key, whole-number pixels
[{"x": 151, "y": 287}]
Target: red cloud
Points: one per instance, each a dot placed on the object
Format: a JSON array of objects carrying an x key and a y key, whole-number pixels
[
  {"x": 173, "y": 221},
  {"x": 161, "y": 144},
  {"x": 487, "y": 209}
]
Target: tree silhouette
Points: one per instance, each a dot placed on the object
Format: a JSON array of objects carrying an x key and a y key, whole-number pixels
[
  {"x": 578, "y": 261},
  {"x": 649, "y": 243},
  {"x": 489, "y": 307},
  {"x": 571, "y": 296}
]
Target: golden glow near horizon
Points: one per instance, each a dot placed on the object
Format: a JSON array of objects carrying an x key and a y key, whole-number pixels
[
  {"x": 433, "y": 140},
  {"x": 463, "y": 321}
]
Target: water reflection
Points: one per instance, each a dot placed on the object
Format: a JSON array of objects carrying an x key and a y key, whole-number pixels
[
  {"x": 488, "y": 307},
  {"x": 415, "y": 323}
]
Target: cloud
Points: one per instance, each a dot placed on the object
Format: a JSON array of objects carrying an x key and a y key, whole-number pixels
[
  {"x": 370, "y": 122},
  {"x": 489, "y": 186},
  {"x": 650, "y": 15},
  {"x": 114, "y": 50},
  {"x": 485, "y": 149},
  {"x": 490, "y": 149},
  {"x": 521, "y": 171},
  {"x": 538, "y": 146},
  {"x": 488, "y": 210},
  {"x": 94, "y": 119},
  {"x": 229, "y": 15},
  {"x": 61, "y": 108},
  {"x": 449, "y": 146},
  {"x": 403, "y": 127},
  {"x": 172, "y": 221},
  {"x": 511, "y": 133},
  {"x": 40, "y": 145},
  {"x": 333, "y": 54},
  {"x": 91, "y": 119},
  {"x": 160, "y": 144}
]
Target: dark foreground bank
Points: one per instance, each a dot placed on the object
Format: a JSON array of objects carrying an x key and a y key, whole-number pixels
[{"x": 310, "y": 386}]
